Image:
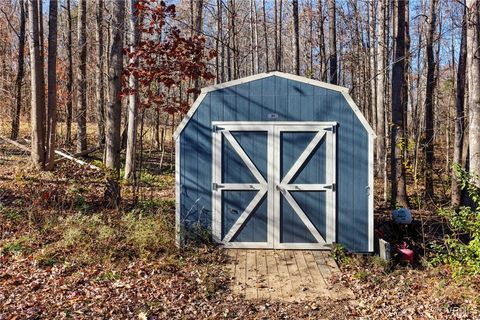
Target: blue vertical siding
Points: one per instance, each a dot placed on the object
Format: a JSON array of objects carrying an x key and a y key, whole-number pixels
[{"x": 290, "y": 101}]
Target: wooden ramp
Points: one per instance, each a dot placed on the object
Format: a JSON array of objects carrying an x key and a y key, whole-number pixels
[{"x": 286, "y": 275}]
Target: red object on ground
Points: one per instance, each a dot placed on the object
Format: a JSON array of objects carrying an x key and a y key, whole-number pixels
[{"x": 405, "y": 253}]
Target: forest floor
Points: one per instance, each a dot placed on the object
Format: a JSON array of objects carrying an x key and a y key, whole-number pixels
[{"x": 64, "y": 255}]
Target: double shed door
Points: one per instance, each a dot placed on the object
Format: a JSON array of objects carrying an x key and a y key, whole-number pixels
[{"x": 274, "y": 184}]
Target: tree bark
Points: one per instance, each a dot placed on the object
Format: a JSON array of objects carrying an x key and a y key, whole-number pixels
[
  {"x": 219, "y": 42},
  {"x": 37, "y": 90},
  {"x": 99, "y": 84},
  {"x": 113, "y": 110},
  {"x": 332, "y": 38},
  {"x": 381, "y": 75},
  {"x": 132, "y": 98},
  {"x": 296, "y": 39},
  {"x": 52, "y": 84},
  {"x": 20, "y": 73},
  {"x": 69, "y": 110},
  {"x": 321, "y": 42},
  {"x": 82, "y": 77},
  {"x": 459, "y": 114},
  {"x": 399, "y": 194},
  {"x": 198, "y": 31},
  {"x": 473, "y": 69},
  {"x": 429, "y": 111},
  {"x": 265, "y": 36}
]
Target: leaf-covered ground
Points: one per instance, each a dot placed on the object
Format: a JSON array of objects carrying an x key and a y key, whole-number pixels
[{"x": 64, "y": 256}]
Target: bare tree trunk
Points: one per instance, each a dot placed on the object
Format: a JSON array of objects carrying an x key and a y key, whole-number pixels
[
  {"x": 373, "y": 65},
  {"x": 252, "y": 39},
  {"x": 473, "y": 67},
  {"x": 132, "y": 98},
  {"x": 113, "y": 110},
  {"x": 20, "y": 73},
  {"x": 38, "y": 92},
  {"x": 279, "y": 34},
  {"x": 198, "y": 31},
  {"x": 459, "y": 114},
  {"x": 265, "y": 36},
  {"x": 381, "y": 150},
  {"x": 321, "y": 42},
  {"x": 82, "y": 77},
  {"x": 257, "y": 46},
  {"x": 218, "y": 64},
  {"x": 52, "y": 84},
  {"x": 399, "y": 194},
  {"x": 99, "y": 84},
  {"x": 296, "y": 41},
  {"x": 275, "y": 16},
  {"x": 70, "y": 76},
  {"x": 332, "y": 38},
  {"x": 429, "y": 112},
  {"x": 230, "y": 10}
]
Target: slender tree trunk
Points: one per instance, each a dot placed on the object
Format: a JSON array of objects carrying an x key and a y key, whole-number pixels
[
  {"x": 321, "y": 42},
  {"x": 52, "y": 84},
  {"x": 69, "y": 115},
  {"x": 429, "y": 111},
  {"x": 265, "y": 36},
  {"x": 252, "y": 39},
  {"x": 20, "y": 73},
  {"x": 219, "y": 57},
  {"x": 381, "y": 150},
  {"x": 82, "y": 77},
  {"x": 332, "y": 38},
  {"x": 280, "y": 36},
  {"x": 198, "y": 31},
  {"x": 113, "y": 110},
  {"x": 38, "y": 92},
  {"x": 459, "y": 114},
  {"x": 257, "y": 46},
  {"x": 230, "y": 39},
  {"x": 473, "y": 67},
  {"x": 399, "y": 194},
  {"x": 99, "y": 84},
  {"x": 275, "y": 17},
  {"x": 132, "y": 98},
  {"x": 373, "y": 64},
  {"x": 296, "y": 40}
]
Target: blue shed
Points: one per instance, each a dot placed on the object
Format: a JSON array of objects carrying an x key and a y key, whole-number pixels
[{"x": 276, "y": 161}]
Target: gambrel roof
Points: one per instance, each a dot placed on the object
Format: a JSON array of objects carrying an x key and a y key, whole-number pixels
[{"x": 342, "y": 90}]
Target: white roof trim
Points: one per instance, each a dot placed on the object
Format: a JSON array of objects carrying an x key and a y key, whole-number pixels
[{"x": 259, "y": 76}]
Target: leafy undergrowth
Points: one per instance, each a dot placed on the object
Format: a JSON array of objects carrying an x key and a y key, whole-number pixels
[
  {"x": 64, "y": 255},
  {"x": 400, "y": 292}
]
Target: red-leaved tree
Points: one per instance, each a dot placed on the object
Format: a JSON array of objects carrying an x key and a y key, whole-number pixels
[{"x": 165, "y": 59}]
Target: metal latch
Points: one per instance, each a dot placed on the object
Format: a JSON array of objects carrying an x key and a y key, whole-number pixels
[
  {"x": 215, "y": 186},
  {"x": 332, "y": 186},
  {"x": 216, "y": 128}
]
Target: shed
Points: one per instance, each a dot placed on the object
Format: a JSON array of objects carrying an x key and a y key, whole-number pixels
[{"x": 275, "y": 161}]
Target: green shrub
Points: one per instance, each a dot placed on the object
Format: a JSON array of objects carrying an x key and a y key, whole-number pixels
[{"x": 462, "y": 248}]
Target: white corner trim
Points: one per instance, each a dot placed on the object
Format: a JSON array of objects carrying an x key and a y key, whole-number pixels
[
  {"x": 359, "y": 114},
  {"x": 189, "y": 115},
  {"x": 259, "y": 76},
  {"x": 178, "y": 240},
  {"x": 371, "y": 191}
]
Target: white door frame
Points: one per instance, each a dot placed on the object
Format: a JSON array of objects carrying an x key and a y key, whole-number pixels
[{"x": 272, "y": 186}]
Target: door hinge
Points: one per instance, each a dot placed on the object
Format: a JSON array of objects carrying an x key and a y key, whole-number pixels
[
  {"x": 214, "y": 186},
  {"x": 216, "y": 128},
  {"x": 332, "y": 186}
]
